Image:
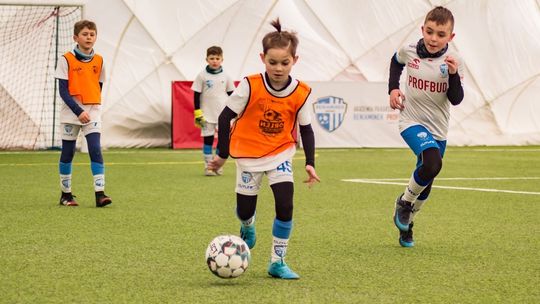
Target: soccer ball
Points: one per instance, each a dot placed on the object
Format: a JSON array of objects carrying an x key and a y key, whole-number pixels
[{"x": 227, "y": 256}]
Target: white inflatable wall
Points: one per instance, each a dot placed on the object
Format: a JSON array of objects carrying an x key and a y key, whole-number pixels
[{"x": 147, "y": 44}]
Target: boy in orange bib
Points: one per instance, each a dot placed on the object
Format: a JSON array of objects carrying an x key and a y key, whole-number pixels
[{"x": 267, "y": 107}]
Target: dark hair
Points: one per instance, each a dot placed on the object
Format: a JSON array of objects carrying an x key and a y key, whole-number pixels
[
  {"x": 214, "y": 50},
  {"x": 280, "y": 39},
  {"x": 440, "y": 15},
  {"x": 80, "y": 25}
]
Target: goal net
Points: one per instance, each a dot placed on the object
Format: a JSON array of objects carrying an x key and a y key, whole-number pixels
[{"x": 32, "y": 37}]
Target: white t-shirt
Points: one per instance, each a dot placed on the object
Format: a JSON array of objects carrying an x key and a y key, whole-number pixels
[
  {"x": 66, "y": 115},
  {"x": 237, "y": 103},
  {"x": 213, "y": 89},
  {"x": 426, "y": 82}
]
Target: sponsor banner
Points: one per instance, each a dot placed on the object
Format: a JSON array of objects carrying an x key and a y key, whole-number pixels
[
  {"x": 344, "y": 114},
  {"x": 353, "y": 114}
]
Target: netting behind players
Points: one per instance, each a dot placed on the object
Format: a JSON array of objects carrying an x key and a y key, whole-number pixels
[{"x": 31, "y": 39}]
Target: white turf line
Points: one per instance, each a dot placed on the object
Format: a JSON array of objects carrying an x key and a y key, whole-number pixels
[{"x": 388, "y": 182}]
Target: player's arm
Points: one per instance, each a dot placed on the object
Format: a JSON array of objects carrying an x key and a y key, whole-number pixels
[
  {"x": 396, "y": 69},
  {"x": 224, "y": 131},
  {"x": 396, "y": 96},
  {"x": 308, "y": 142},
  {"x": 455, "y": 92},
  {"x": 196, "y": 100},
  {"x": 82, "y": 115},
  {"x": 198, "y": 113}
]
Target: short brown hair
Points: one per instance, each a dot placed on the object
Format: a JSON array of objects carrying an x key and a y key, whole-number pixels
[
  {"x": 80, "y": 25},
  {"x": 440, "y": 15},
  {"x": 214, "y": 50},
  {"x": 280, "y": 39}
]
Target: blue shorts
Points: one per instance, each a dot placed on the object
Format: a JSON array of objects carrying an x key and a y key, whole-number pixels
[{"x": 419, "y": 139}]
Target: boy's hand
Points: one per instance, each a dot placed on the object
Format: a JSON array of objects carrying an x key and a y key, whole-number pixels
[
  {"x": 199, "y": 118},
  {"x": 312, "y": 176},
  {"x": 452, "y": 64},
  {"x": 84, "y": 117},
  {"x": 216, "y": 163},
  {"x": 396, "y": 99}
]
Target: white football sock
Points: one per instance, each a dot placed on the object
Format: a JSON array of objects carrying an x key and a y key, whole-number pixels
[
  {"x": 99, "y": 182},
  {"x": 413, "y": 190},
  {"x": 207, "y": 159},
  {"x": 416, "y": 207},
  {"x": 65, "y": 183},
  {"x": 279, "y": 249}
]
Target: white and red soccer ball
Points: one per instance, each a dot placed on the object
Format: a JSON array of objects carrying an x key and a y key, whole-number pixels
[{"x": 228, "y": 256}]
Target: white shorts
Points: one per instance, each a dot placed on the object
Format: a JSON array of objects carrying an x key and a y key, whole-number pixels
[
  {"x": 249, "y": 183},
  {"x": 71, "y": 131},
  {"x": 208, "y": 129}
]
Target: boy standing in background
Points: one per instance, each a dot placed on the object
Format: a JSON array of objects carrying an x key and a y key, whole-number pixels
[{"x": 211, "y": 89}]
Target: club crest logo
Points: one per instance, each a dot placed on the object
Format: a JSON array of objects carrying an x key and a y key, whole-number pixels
[
  {"x": 444, "y": 70},
  {"x": 66, "y": 183},
  {"x": 330, "y": 112},
  {"x": 280, "y": 250},
  {"x": 422, "y": 135},
  {"x": 246, "y": 177},
  {"x": 100, "y": 182}
]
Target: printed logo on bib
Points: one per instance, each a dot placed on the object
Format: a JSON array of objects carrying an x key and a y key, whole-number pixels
[{"x": 272, "y": 123}]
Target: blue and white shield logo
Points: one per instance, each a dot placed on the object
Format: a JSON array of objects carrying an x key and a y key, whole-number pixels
[
  {"x": 443, "y": 68},
  {"x": 330, "y": 112}
]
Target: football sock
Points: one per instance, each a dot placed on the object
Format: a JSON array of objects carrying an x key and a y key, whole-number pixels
[
  {"x": 66, "y": 157},
  {"x": 414, "y": 188},
  {"x": 281, "y": 232},
  {"x": 207, "y": 152},
  {"x": 65, "y": 177},
  {"x": 417, "y": 206},
  {"x": 96, "y": 160},
  {"x": 279, "y": 249},
  {"x": 98, "y": 171}
]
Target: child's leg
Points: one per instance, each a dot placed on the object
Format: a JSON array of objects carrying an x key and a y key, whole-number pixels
[
  {"x": 245, "y": 210},
  {"x": 98, "y": 168},
  {"x": 248, "y": 185},
  {"x": 208, "y": 141},
  {"x": 70, "y": 133},
  {"x": 66, "y": 158},
  {"x": 281, "y": 230},
  {"x": 69, "y": 140},
  {"x": 421, "y": 200},
  {"x": 96, "y": 161},
  {"x": 282, "y": 182},
  {"x": 429, "y": 163}
]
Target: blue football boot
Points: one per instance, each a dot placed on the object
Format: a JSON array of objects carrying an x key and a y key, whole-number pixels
[
  {"x": 402, "y": 214},
  {"x": 280, "y": 270},
  {"x": 406, "y": 237},
  {"x": 247, "y": 233}
]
